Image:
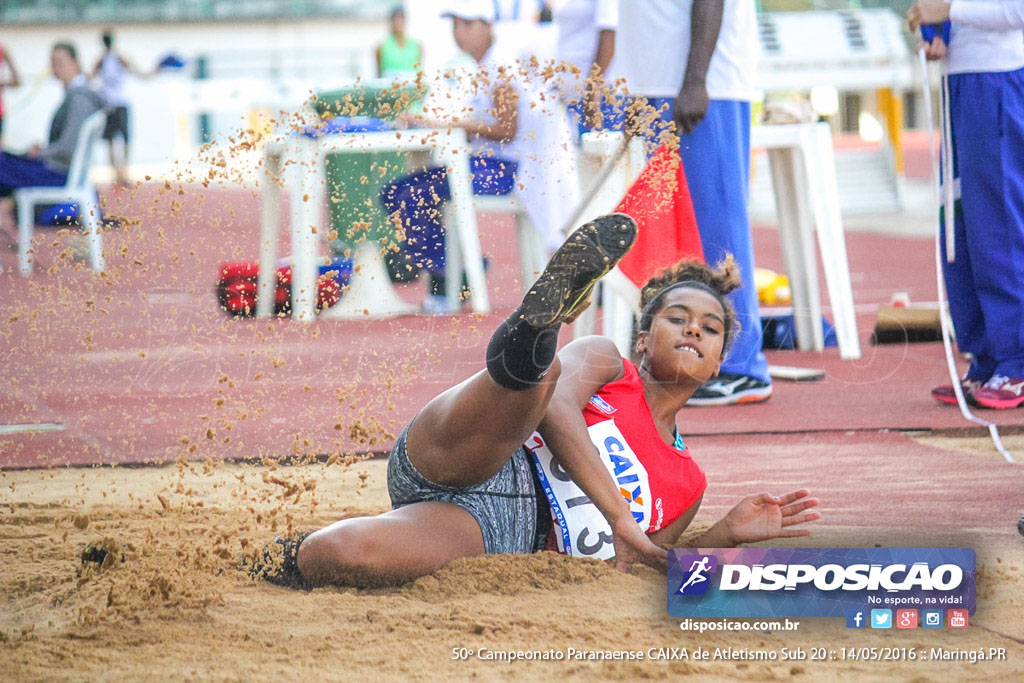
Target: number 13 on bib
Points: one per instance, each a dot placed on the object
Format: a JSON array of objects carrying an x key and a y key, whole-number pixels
[{"x": 581, "y": 529}]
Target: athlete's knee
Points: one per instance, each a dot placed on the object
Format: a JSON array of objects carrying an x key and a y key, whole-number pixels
[
  {"x": 337, "y": 551},
  {"x": 555, "y": 371}
]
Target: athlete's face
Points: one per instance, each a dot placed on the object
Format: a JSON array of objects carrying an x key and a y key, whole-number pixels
[{"x": 686, "y": 338}]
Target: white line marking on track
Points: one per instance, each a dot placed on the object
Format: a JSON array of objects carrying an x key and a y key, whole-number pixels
[{"x": 41, "y": 427}]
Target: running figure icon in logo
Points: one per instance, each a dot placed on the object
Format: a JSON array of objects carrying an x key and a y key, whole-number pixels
[{"x": 697, "y": 581}]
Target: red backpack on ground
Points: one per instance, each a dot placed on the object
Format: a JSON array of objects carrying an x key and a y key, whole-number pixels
[{"x": 236, "y": 286}]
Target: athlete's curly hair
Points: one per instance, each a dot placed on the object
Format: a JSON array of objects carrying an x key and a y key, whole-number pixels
[{"x": 718, "y": 281}]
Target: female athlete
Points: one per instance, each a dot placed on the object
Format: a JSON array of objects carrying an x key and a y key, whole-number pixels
[{"x": 601, "y": 446}]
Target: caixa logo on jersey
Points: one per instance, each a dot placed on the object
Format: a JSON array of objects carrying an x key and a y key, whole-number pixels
[{"x": 817, "y": 582}]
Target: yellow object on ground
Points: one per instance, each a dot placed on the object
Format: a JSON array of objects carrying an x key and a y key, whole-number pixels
[{"x": 772, "y": 288}]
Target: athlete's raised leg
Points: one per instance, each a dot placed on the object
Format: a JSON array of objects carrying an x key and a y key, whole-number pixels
[{"x": 467, "y": 434}]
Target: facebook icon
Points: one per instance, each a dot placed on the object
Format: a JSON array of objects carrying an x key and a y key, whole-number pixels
[{"x": 855, "y": 618}]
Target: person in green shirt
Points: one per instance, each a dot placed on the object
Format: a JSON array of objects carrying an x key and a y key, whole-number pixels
[{"x": 398, "y": 54}]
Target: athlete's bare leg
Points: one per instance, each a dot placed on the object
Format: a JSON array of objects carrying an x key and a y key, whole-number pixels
[
  {"x": 395, "y": 547},
  {"x": 466, "y": 435}
]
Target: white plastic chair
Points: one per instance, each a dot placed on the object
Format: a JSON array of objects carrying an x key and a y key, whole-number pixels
[{"x": 79, "y": 189}]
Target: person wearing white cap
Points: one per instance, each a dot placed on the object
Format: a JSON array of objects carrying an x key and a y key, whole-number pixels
[
  {"x": 515, "y": 140},
  {"x": 483, "y": 10}
]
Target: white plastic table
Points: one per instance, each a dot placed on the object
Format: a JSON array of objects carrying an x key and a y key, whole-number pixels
[{"x": 302, "y": 158}]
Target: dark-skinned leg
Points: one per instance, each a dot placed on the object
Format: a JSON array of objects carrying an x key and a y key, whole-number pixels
[
  {"x": 392, "y": 548},
  {"x": 467, "y": 434}
]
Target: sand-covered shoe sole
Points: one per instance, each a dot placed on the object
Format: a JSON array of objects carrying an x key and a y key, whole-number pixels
[{"x": 587, "y": 255}]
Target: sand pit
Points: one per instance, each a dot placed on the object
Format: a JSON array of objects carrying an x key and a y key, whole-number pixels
[{"x": 168, "y": 612}]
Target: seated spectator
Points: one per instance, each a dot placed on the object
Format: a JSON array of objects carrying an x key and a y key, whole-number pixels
[
  {"x": 48, "y": 166},
  {"x": 519, "y": 144}
]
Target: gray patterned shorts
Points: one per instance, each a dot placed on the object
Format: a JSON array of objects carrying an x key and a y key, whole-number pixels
[{"x": 505, "y": 506}]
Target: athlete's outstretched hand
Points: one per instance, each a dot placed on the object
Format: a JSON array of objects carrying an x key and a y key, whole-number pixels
[
  {"x": 762, "y": 517},
  {"x": 632, "y": 545}
]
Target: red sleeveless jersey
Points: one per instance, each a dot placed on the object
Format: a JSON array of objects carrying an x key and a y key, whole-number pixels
[
  {"x": 659, "y": 481},
  {"x": 674, "y": 479}
]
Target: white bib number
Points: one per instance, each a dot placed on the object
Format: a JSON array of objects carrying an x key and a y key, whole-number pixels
[{"x": 583, "y": 530}]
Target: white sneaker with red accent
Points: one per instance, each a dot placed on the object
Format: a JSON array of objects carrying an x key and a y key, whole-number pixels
[{"x": 1001, "y": 392}]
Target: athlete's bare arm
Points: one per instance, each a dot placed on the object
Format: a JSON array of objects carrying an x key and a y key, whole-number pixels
[
  {"x": 587, "y": 365},
  {"x": 760, "y": 517},
  {"x": 668, "y": 536}
]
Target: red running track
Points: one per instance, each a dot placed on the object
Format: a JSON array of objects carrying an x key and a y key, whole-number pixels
[{"x": 141, "y": 366}]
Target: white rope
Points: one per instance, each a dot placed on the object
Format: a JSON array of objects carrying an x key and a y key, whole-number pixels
[
  {"x": 948, "y": 178},
  {"x": 943, "y": 306}
]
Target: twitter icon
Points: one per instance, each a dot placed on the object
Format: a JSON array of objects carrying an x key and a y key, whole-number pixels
[{"x": 881, "y": 618}]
